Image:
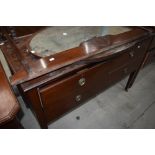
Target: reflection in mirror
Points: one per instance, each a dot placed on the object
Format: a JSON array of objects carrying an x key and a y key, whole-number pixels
[{"x": 53, "y": 40}]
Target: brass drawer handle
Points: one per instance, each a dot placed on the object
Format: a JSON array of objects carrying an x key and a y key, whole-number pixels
[
  {"x": 82, "y": 81},
  {"x": 131, "y": 54},
  {"x": 78, "y": 98},
  {"x": 138, "y": 46}
]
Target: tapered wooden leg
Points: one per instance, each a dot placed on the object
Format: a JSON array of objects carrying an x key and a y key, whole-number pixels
[
  {"x": 131, "y": 80},
  {"x": 134, "y": 74}
]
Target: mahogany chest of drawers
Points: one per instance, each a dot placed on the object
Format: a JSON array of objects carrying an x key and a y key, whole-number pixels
[{"x": 56, "y": 84}]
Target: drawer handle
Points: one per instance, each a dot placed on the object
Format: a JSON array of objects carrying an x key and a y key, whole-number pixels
[
  {"x": 78, "y": 98},
  {"x": 138, "y": 46},
  {"x": 131, "y": 54},
  {"x": 82, "y": 81}
]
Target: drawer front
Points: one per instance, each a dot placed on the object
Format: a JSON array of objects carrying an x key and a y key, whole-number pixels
[
  {"x": 118, "y": 74},
  {"x": 101, "y": 77},
  {"x": 60, "y": 97},
  {"x": 64, "y": 95},
  {"x": 119, "y": 70},
  {"x": 131, "y": 55},
  {"x": 127, "y": 62},
  {"x": 96, "y": 78},
  {"x": 142, "y": 47}
]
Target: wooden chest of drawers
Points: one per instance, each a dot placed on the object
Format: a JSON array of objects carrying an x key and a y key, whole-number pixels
[
  {"x": 56, "y": 84},
  {"x": 63, "y": 95}
]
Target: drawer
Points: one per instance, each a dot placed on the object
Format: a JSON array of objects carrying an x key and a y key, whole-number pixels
[
  {"x": 101, "y": 77},
  {"x": 128, "y": 56},
  {"x": 117, "y": 74},
  {"x": 127, "y": 62},
  {"x": 96, "y": 78},
  {"x": 60, "y": 97},
  {"x": 66, "y": 94},
  {"x": 131, "y": 57},
  {"x": 142, "y": 47}
]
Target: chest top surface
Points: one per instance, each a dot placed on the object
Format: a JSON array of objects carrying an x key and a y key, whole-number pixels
[{"x": 54, "y": 48}]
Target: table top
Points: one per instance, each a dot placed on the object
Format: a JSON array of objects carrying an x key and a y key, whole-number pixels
[
  {"x": 57, "y": 48},
  {"x": 53, "y": 40}
]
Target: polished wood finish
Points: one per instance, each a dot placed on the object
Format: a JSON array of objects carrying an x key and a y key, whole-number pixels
[
  {"x": 52, "y": 88},
  {"x": 28, "y": 66},
  {"x": 105, "y": 74}
]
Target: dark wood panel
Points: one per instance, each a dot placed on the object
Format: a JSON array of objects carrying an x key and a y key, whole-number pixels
[
  {"x": 60, "y": 97},
  {"x": 76, "y": 75},
  {"x": 34, "y": 68}
]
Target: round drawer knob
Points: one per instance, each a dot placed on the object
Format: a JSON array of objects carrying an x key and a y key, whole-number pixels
[
  {"x": 82, "y": 81},
  {"x": 78, "y": 98},
  {"x": 131, "y": 54},
  {"x": 138, "y": 46}
]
